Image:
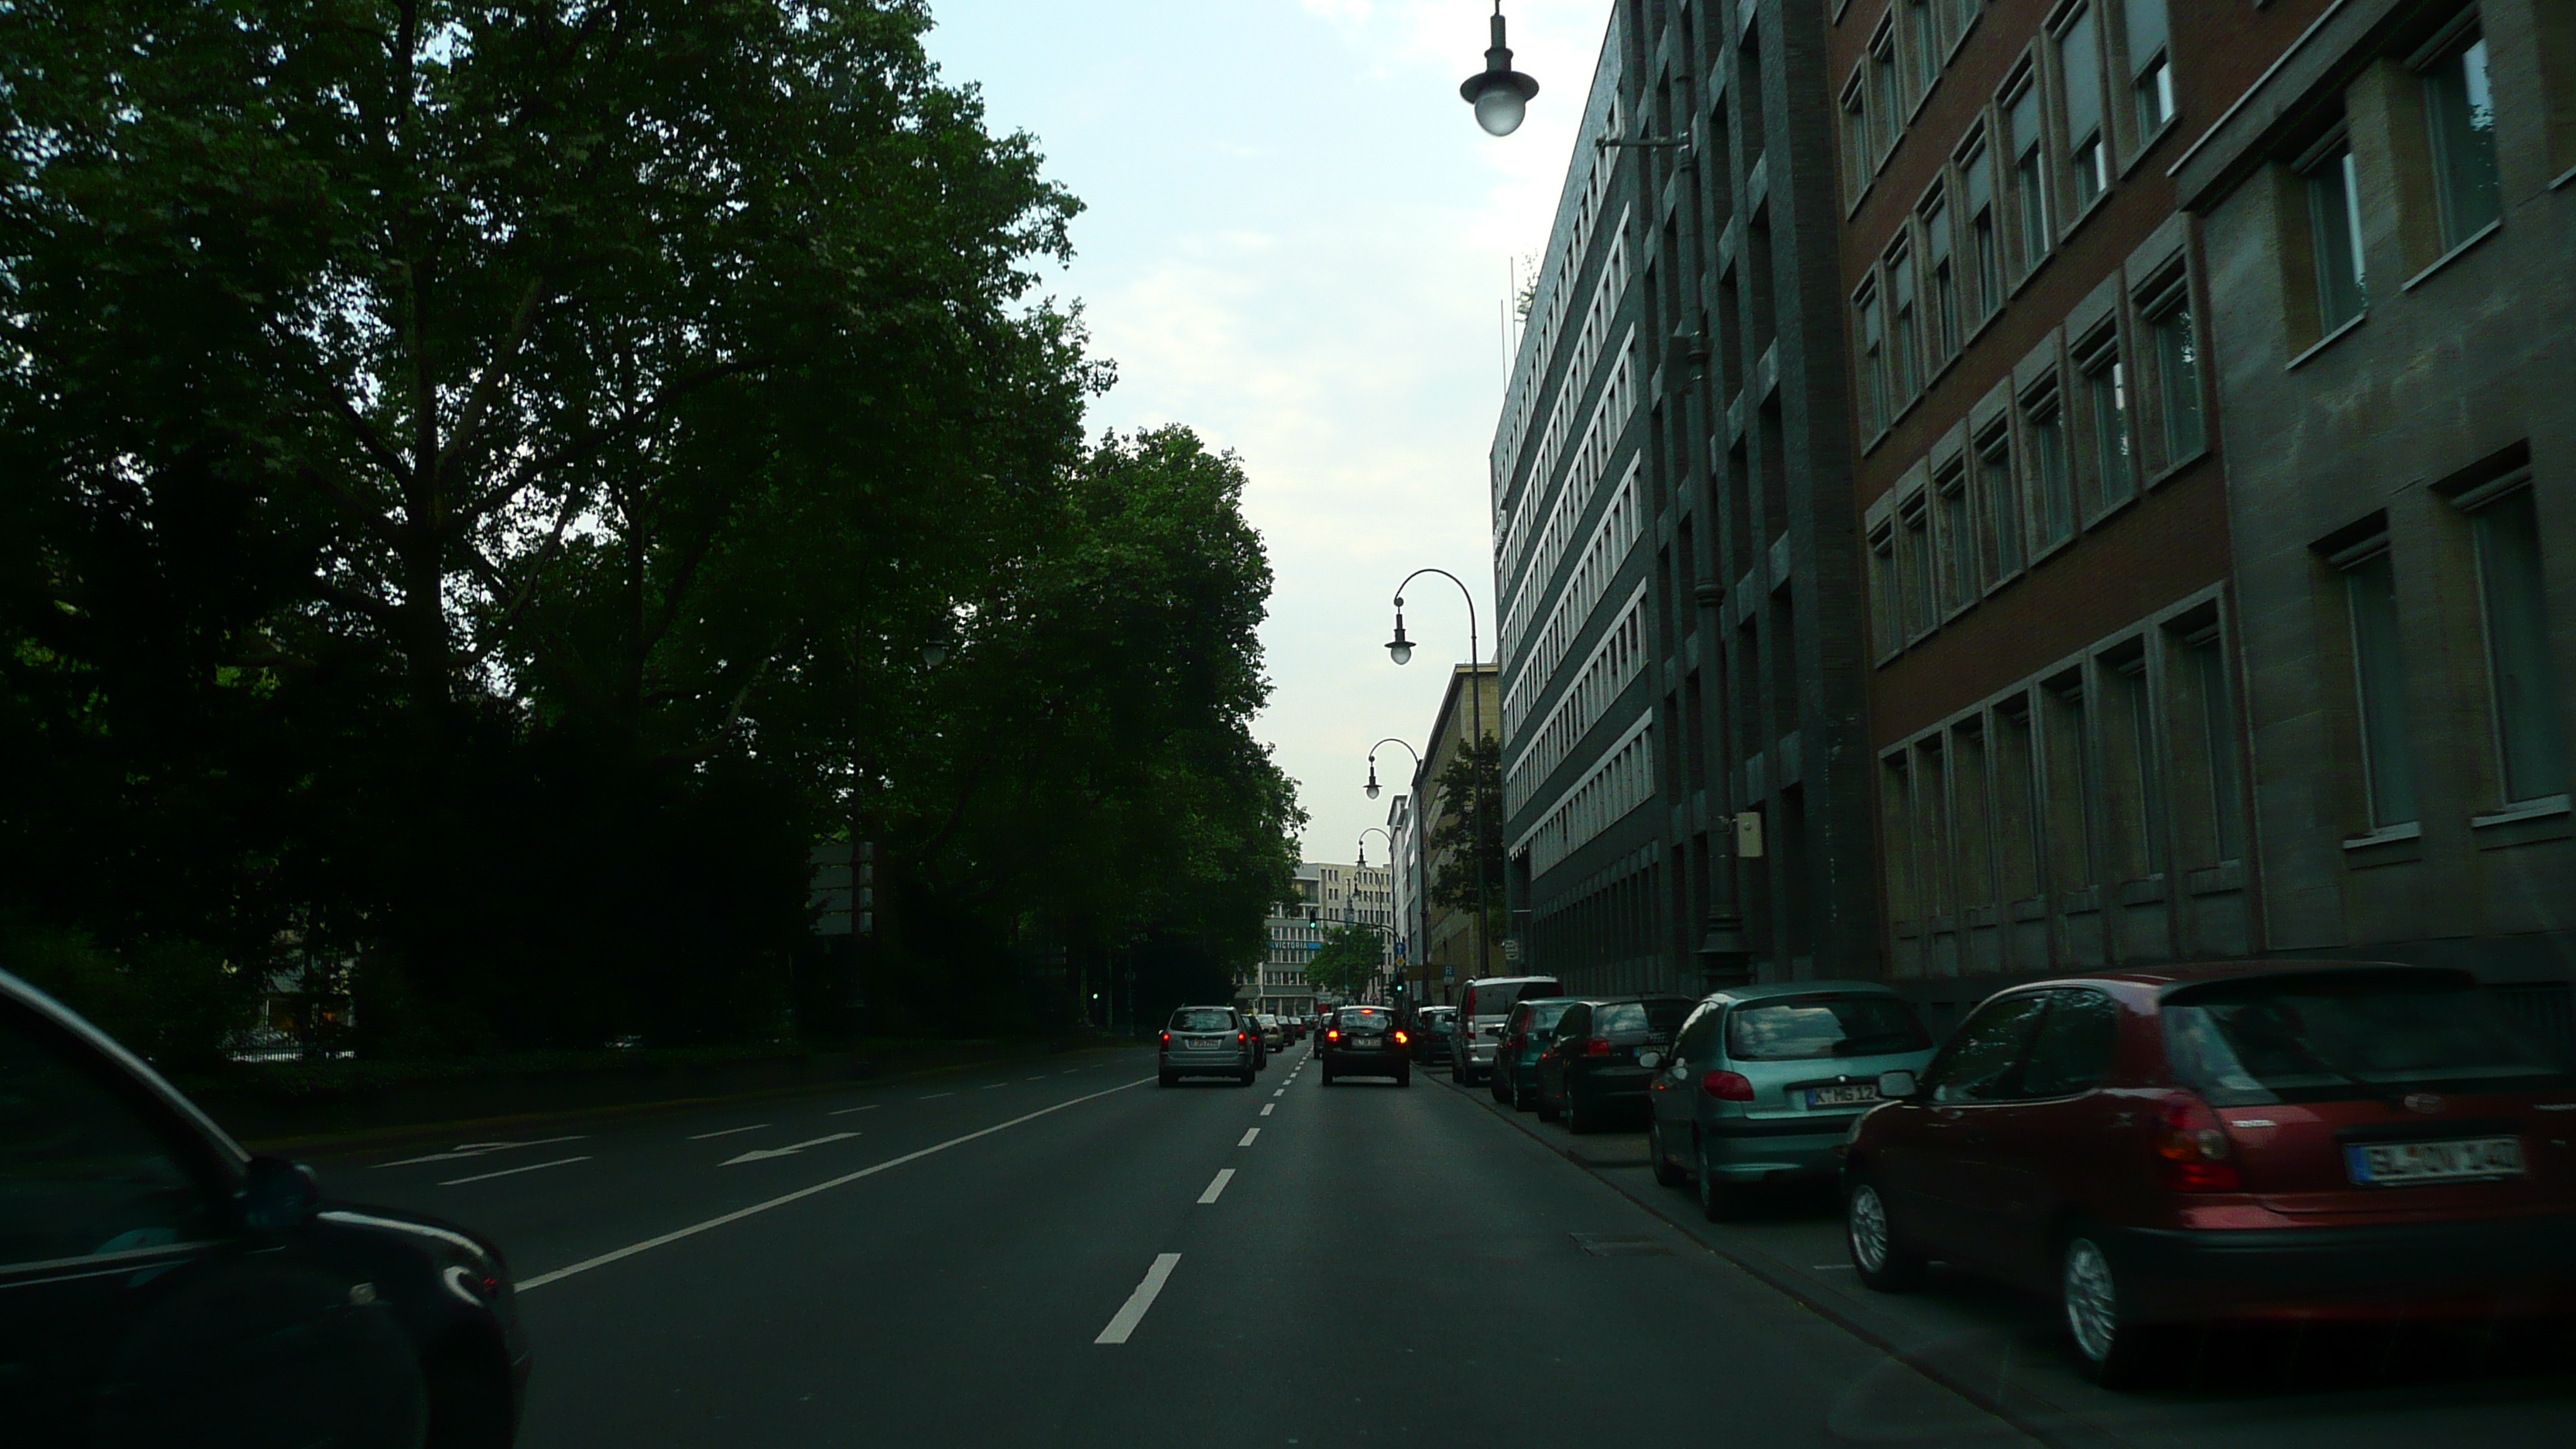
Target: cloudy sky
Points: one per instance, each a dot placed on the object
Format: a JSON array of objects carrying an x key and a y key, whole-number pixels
[{"x": 1297, "y": 242}]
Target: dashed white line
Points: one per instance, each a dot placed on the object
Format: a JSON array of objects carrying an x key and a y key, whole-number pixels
[
  {"x": 1224, "y": 1176},
  {"x": 1037, "y": 1079},
  {"x": 800, "y": 1194},
  {"x": 728, "y": 1132},
  {"x": 1248, "y": 1136},
  {"x": 846, "y": 1111},
  {"x": 935, "y": 1096},
  {"x": 1269, "y": 1107},
  {"x": 994, "y": 1086},
  {"x": 511, "y": 1171},
  {"x": 1283, "y": 1091},
  {"x": 1142, "y": 1299},
  {"x": 478, "y": 1149}
]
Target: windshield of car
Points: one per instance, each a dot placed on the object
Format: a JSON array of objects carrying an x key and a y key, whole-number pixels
[
  {"x": 2340, "y": 1035},
  {"x": 1368, "y": 1021},
  {"x": 1203, "y": 1018},
  {"x": 1799, "y": 1028},
  {"x": 1639, "y": 1016}
]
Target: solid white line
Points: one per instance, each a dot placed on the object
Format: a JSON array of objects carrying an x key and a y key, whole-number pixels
[
  {"x": 1269, "y": 1107},
  {"x": 1248, "y": 1136},
  {"x": 508, "y": 1171},
  {"x": 1224, "y": 1176},
  {"x": 935, "y": 1096},
  {"x": 478, "y": 1149},
  {"x": 738, "y": 1214},
  {"x": 728, "y": 1132},
  {"x": 846, "y": 1111},
  {"x": 1140, "y": 1300}
]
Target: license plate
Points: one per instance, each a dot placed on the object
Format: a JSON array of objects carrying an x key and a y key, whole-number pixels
[
  {"x": 1842, "y": 1095},
  {"x": 1205, "y": 1043},
  {"x": 2408, "y": 1162},
  {"x": 1366, "y": 1041}
]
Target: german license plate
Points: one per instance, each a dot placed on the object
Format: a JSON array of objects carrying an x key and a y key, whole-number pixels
[
  {"x": 1204, "y": 1043},
  {"x": 2385, "y": 1163},
  {"x": 1842, "y": 1094},
  {"x": 1366, "y": 1041}
]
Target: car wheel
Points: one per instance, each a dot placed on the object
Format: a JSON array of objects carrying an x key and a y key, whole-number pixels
[
  {"x": 2110, "y": 1349},
  {"x": 1404, "y": 1078},
  {"x": 1579, "y": 1118},
  {"x": 1501, "y": 1087},
  {"x": 1245, "y": 1080},
  {"x": 1524, "y": 1099},
  {"x": 1328, "y": 1076},
  {"x": 1719, "y": 1200},
  {"x": 1870, "y": 1234},
  {"x": 1545, "y": 1105},
  {"x": 1667, "y": 1172}
]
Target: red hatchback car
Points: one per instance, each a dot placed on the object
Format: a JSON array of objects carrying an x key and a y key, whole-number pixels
[{"x": 2160, "y": 1148}]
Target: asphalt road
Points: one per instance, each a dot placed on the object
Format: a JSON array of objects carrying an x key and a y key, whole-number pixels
[{"x": 1066, "y": 1254}]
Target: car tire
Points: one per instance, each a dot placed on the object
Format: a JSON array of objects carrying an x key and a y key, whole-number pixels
[
  {"x": 1869, "y": 1235},
  {"x": 1580, "y": 1119},
  {"x": 1501, "y": 1087},
  {"x": 1667, "y": 1172},
  {"x": 1246, "y": 1079},
  {"x": 1719, "y": 1200},
  {"x": 1543, "y": 1104},
  {"x": 1328, "y": 1076},
  {"x": 1168, "y": 1079},
  {"x": 2111, "y": 1349},
  {"x": 1404, "y": 1078}
]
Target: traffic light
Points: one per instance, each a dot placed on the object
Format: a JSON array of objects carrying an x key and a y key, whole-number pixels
[{"x": 1397, "y": 990}]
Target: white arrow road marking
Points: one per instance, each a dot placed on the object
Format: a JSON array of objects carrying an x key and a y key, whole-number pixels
[
  {"x": 510, "y": 1171},
  {"x": 728, "y": 1132},
  {"x": 1223, "y": 1177},
  {"x": 802, "y": 1193},
  {"x": 766, "y": 1153},
  {"x": 478, "y": 1149},
  {"x": 1140, "y": 1300},
  {"x": 1269, "y": 1107},
  {"x": 1248, "y": 1136}
]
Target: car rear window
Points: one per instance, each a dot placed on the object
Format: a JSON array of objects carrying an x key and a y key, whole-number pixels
[
  {"x": 1543, "y": 1015},
  {"x": 1804, "y": 1027},
  {"x": 1499, "y": 998},
  {"x": 1368, "y": 1021},
  {"x": 2344, "y": 1035},
  {"x": 1648, "y": 1016},
  {"x": 1205, "y": 1018}
]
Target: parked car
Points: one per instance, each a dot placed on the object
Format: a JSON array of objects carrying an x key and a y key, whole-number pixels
[
  {"x": 1764, "y": 1082},
  {"x": 2161, "y": 1148},
  {"x": 1590, "y": 1070},
  {"x": 1274, "y": 1033},
  {"x": 160, "y": 1285},
  {"x": 1431, "y": 1044},
  {"x": 1477, "y": 1030},
  {"x": 1525, "y": 1032},
  {"x": 1208, "y": 1041},
  {"x": 1367, "y": 1041},
  {"x": 1295, "y": 1026}
]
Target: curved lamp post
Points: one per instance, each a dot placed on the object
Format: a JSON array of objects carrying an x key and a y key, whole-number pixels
[
  {"x": 1400, "y": 649},
  {"x": 1500, "y": 94},
  {"x": 1370, "y": 789}
]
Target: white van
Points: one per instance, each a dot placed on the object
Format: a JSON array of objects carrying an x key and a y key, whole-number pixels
[{"x": 1477, "y": 1030}]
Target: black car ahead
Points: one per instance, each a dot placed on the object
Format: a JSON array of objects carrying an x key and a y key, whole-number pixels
[
  {"x": 1367, "y": 1041},
  {"x": 1590, "y": 1068},
  {"x": 159, "y": 1285},
  {"x": 1430, "y": 1031}
]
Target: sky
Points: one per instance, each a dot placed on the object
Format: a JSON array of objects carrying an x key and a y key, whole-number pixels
[{"x": 1297, "y": 241}]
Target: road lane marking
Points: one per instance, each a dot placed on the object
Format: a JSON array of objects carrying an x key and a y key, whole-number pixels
[
  {"x": 728, "y": 1132},
  {"x": 478, "y": 1149},
  {"x": 510, "y": 1171},
  {"x": 764, "y": 1154},
  {"x": 1283, "y": 1091},
  {"x": 935, "y": 1096},
  {"x": 846, "y": 1111},
  {"x": 990, "y": 1086},
  {"x": 783, "y": 1199},
  {"x": 1224, "y": 1176},
  {"x": 1269, "y": 1107},
  {"x": 1248, "y": 1136},
  {"x": 1037, "y": 1079},
  {"x": 1140, "y": 1300}
]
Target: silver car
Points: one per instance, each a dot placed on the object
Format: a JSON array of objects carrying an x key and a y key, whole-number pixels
[
  {"x": 1477, "y": 1029},
  {"x": 1208, "y": 1041},
  {"x": 1764, "y": 1082}
]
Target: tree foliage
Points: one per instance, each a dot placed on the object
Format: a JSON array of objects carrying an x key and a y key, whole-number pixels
[
  {"x": 1466, "y": 831},
  {"x": 1349, "y": 959},
  {"x": 480, "y": 478}
]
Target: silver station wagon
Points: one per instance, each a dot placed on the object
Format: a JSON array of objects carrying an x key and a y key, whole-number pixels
[
  {"x": 1208, "y": 1041},
  {"x": 1764, "y": 1082}
]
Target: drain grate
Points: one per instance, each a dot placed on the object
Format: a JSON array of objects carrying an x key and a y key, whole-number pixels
[{"x": 1617, "y": 1245}]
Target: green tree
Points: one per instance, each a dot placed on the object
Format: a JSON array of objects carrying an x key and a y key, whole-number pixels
[
  {"x": 1347, "y": 961},
  {"x": 1466, "y": 833}
]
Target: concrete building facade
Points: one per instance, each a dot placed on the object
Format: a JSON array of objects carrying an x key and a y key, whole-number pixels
[
  {"x": 1444, "y": 956},
  {"x": 1329, "y": 895},
  {"x": 2388, "y": 217}
]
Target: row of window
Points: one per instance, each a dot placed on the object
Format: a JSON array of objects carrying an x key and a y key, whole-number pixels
[
  {"x": 1623, "y": 780},
  {"x": 1570, "y": 499},
  {"x": 2101, "y": 407},
  {"x": 1615, "y": 662},
  {"x": 1566, "y": 264},
  {"x": 1598, "y": 318},
  {"x": 2120, "y": 766},
  {"x": 1905, "y": 59},
  {"x": 1621, "y": 524}
]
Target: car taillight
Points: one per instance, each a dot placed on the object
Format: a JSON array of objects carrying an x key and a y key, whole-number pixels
[
  {"x": 1334, "y": 1035},
  {"x": 1240, "y": 1036},
  {"x": 1401, "y": 1038},
  {"x": 1727, "y": 1086},
  {"x": 1596, "y": 1046},
  {"x": 2194, "y": 1149},
  {"x": 1167, "y": 1038}
]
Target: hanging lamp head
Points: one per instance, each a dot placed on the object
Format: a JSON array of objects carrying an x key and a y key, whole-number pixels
[{"x": 1500, "y": 94}]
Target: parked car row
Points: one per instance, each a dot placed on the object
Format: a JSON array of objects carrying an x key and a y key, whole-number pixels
[{"x": 2154, "y": 1151}]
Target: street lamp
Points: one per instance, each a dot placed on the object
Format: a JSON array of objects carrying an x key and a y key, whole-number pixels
[
  {"x": 1401, "y": 650},
  {"x": 1500, "y": 94},
  {"x": 1370, "y": 789}
]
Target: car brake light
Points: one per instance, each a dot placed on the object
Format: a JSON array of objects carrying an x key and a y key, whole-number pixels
[
  {"x": 2194, "y": 1150},
  {"x": 1167, "y": 1038},
  {"x": 1239, "y": 1036},
  {"x": 1334, "y": 1035},
  {"x": 1596, "y": 1046},
  {"x": 1727, "y": 1086}
]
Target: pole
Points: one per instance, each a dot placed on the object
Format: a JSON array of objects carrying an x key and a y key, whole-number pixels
[{"x": 1475, "y": 765}]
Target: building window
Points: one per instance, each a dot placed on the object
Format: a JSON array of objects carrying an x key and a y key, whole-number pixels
[
  {"x": 1954, "y": 543},
  {"x": 2151, "y": 93},
  {"x": 1985, "y": 245},
  {"x": 2002, "y": 497},
  {"x": 2177, "y": 362},
  {"x": 2052, "y": 482},
  {"x": 1905, "y": 337},
  {"x": 2106, "y": 392},
  {"x": 1954, "y": 18},
  {"x": 1941, "y": 296},
  {"x": 1884, "y": 613},
  {"x": 1860, "y": 157},
  {"x": 2379, "y": 678},
  {"x": 2459, "y": 113},
  {"x": 1873, "y": 365},
  {"x": 1888, "y": 115},
  {"x": 2030, "y": 178},
  {"x": 2206, "y": 662},
  {"x": 1914, "y": 565},
  {"x": 2334, "y": 235},
  {"x": 2079, "y": 67},
  {"x": 2522, "y": 677},
  {"x": 1925, "y": 44}
]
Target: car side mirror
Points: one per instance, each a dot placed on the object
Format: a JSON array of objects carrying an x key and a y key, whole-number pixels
[
  {"x": 277, "y": 1195},
  {"x": 1896, "y": 1086},
  {"x": 1650, "y": 1059}
]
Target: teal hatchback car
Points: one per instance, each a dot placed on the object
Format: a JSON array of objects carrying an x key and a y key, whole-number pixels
[{"x": 1764, "y": 1082}]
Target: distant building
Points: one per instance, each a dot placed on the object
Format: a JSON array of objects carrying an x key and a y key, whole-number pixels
[
  {"x": 1329, "y": 895},
  {"x": 1446, "y": 950}
]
